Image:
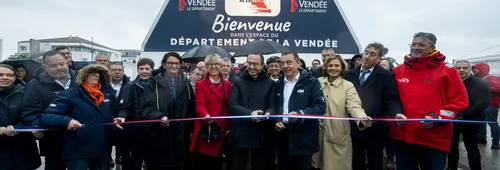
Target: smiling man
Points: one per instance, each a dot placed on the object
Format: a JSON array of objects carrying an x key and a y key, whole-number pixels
[{"x": 430, "y": 90}]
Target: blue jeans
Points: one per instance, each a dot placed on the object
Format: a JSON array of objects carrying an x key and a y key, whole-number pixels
[
  {"x": 491, "y": 114},
  {"x": 413, "y": 156}
]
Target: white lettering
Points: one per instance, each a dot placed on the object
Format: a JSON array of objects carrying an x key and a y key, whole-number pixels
[
  {"x": 201, "y": 2},
  {"x": 316, "y": 43},
  {"x": 255, "y": 36},
  {"x": 286, "y": 44},
  {"x": 313, "y": 4},
  {"x": 219, "y": 25}
]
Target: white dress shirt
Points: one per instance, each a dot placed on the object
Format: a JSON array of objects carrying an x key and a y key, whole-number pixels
[
  {"x": 367, "y": 74},
  {"x": 117, "y": 87},
  {"x": 287, "y": 92}
]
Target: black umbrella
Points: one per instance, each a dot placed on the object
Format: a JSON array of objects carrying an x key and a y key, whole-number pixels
[
  {"x": 260, "y": 47},
  {"x": 30, "y": 65},
  {"x": 199, "y": 53}
]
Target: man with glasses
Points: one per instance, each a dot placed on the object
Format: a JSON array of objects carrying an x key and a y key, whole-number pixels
[
  {"x": 325, "y": 54},
  {"x": 68, "y": 56},
  {"x": 102, "y": 59},
  {"x": 428, "y": 89},
  {"x": 195, "y": 75},
  {"x": 252, "y": 94}
]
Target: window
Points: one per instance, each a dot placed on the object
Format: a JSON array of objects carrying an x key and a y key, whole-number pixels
[{"x": 23, "y": 48}]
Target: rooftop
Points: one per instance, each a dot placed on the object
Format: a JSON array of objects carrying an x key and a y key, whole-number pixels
[{"x": 70, "y": 39}]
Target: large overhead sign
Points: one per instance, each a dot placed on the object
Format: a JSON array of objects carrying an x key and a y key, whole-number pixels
[{"x": 304, "y": 26}]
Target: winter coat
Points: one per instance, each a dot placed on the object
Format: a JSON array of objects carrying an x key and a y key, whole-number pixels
[{"x": 211, "y": 100}]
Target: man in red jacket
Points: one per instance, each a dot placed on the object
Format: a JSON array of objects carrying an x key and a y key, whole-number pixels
[
  {"x": 482, "y": 70},
  {"x": 428, "y": 89}
]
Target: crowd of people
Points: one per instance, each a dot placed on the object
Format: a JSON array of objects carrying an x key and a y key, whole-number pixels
[{"x": 85, "y": 112}]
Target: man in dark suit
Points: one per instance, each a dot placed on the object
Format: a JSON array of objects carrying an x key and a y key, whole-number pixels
[
  {"x": 298, "y": 93},
  {"x": 379, "y": 96},
  {"x": 478, "y": 91}
]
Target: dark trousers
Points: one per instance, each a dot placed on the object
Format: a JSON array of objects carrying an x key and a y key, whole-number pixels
[
  {"x": 92, "y": 163},
  {"x": 287, "y": 161},
  {"x": 469, "y": 133},
  {"x": 491, "y": 114},
  {"x": 412, "y": 156},
  {"x": 54, "y": 163},
  {"x": 369, "y": 148},
  {"x": 207, "y": 162},
  {"x": 136, "y": 146},
  {"x": 239, "y": 158}
]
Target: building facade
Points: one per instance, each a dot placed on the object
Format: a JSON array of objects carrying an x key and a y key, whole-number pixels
[{"x": 82, "y": 49}]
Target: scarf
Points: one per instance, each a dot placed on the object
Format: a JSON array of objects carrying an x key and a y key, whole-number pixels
[
  {"x": 436, "y": 57},
  {"x": 94, "y": 92}
]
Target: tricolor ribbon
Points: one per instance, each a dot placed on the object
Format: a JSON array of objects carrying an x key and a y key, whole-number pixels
[{"x": 38, "y": 129}]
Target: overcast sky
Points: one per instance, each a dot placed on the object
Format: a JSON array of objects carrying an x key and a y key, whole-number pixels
[{"x": 462, "y": 27}]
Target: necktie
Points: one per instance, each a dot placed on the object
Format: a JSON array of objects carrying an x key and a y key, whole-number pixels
[
  {"x": 362, "y": 78},
  {"x": 173, "y": 90}
]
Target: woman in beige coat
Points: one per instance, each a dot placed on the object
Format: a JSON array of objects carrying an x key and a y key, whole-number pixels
[{"x": 335, "y": 135}]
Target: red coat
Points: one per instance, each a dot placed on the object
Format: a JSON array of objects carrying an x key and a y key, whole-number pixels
[
  {"x": 425, "y": 87},
  {"x": 208, "y": 99}
]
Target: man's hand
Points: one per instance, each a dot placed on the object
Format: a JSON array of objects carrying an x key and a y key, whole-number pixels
[
  {"x": 118, "y": 121},
  {"x": 368, "y": 122},
  {"x": 208, "y": 119},
  {"x": 10, "y": 131},
  {"x": 292, "y": 119},
  {"x": 279, "y": 126},
  {"x": 164, "y": 121},
  {"x": 37, "y": 135},
  {"x": 400, "y": 116},
  {"x": 3, "y": 130},
  {"x": 256, "y": 113},
  {"x": 427, "y": 124},
  {"x": 74, "y": 124}
]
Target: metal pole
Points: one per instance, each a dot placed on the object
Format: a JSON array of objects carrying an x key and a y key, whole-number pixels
[{"x": 92, "y": 51}]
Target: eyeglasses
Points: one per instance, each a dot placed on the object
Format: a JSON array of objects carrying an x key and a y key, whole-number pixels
[
  {"x": 66, "y": 53},
  {"x": 102, "y": 61}
]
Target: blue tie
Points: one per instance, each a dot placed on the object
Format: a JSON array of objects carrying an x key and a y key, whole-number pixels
[
  {"x": 173, "y": 90},
  {"x": 362, "y": 78}
]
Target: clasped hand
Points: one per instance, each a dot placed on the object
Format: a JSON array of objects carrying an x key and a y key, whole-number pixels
[
  {"x": 259, "y": 112},
  {"x": 8, "y": 131}
]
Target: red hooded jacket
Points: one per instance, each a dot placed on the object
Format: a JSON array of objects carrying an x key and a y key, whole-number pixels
[
  {"x": 493, "y": 80},
  {"x": 428, "y": 87}
]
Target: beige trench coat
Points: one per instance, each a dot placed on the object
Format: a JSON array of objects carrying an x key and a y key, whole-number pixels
[{"x": 335, "y": 135}]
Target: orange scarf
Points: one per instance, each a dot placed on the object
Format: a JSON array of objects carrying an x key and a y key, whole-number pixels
[{"x": 95, "y": 92}]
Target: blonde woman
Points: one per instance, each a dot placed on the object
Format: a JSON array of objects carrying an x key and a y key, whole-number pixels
[{"x": 335, "y": 135}]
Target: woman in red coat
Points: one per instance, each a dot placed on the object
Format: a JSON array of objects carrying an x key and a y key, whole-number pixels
[{"x": 211, "y": 97}]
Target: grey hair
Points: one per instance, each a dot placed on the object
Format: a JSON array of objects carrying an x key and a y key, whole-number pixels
[
  {"x": 102, "y": 54},
  {"x": 378, "y": 46},
  {"x": 225, "y": 59},
  {"x": 426, "y": 35},
  {"x": 116, "y": 63},
  {"x": 463, "y": 61},
  {"x": 329, "y": 49}
]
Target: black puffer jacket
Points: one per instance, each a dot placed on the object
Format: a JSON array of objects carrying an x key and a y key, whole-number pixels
[
  {"x": 41, "y": 91},
  {"x": 19, "y": 152}
]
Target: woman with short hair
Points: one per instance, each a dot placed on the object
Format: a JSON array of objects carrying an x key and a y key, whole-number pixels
[{"x": 211, "y": 98}]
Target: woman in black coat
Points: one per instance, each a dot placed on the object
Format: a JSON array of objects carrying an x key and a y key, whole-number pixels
[
  {"x": 168, "y": 96},
  {"x": 18, "y": 151}
]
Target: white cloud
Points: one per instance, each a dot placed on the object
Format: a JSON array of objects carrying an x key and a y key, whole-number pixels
[{"x": 462, "y": 26}]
